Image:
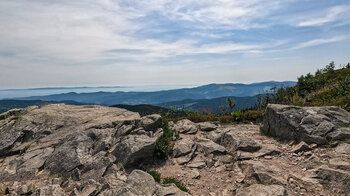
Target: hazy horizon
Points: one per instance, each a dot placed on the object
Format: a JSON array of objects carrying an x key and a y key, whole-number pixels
[
  {"x": 132, "y": 43},
  {"x": 43, "y": 91}
]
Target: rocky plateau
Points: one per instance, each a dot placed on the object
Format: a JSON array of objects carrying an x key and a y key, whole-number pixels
[{"x": 92, "y": 150}]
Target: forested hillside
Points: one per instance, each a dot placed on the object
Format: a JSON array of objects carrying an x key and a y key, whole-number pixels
[{"x": 327, "y": 87}]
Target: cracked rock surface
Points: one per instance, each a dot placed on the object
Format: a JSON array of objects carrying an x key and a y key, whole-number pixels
[
  {"x": 92, "y": 150},
  {"x": 77, "y": 150},
  {"x": 318, "y": 125}
]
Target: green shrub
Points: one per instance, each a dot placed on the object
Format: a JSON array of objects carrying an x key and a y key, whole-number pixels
[
  {"x": 179, "y": 185},
  {"x": 253, "y": 115},
  {"x": 164, "y": 146},
  {"x": 237, "y": 115},
  {"x": 155, "y": 175}
]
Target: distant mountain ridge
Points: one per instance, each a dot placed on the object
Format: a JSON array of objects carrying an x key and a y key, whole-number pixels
[
  {"x": 211, "y": 105},
  {"x": 209, "y": 91}
]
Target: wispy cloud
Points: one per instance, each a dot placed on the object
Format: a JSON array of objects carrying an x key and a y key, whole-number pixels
[
  {"x": 333, "y": 14},
  {"x": 78, "y": 31},
  {"x": 316, "y": 42},
  {"x": 114, "y": 35}
]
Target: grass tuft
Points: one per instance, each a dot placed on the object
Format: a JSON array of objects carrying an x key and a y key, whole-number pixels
[
  {"x": 179, "y": 185},
  {"x": 155, "y": 175}
]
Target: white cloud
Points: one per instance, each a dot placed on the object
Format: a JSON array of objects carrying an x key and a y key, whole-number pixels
[
  {"x": 210, "y": 14},
  {"x": 82, "y": 31},
  {"x": 333, "y": 14},
  {"x": 317, "y": 42},
  {"x": 116, "y": 36}
]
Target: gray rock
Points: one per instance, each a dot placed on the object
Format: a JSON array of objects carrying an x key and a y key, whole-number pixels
[
  {"x": 266, "y": 150},
  {"x": 79, "y": 148},
  {"x": 125, "y": 127},
  {"x": 69, "y": 154},
  {"x": 135, "y": 147},
  {"x": 96, "y": 166},
  {"x": 185, "y": 126},
  {"x": 197, "y": 162},
  {"x": 171, "y": 125},
  {"x": 343, "y": 148},
  {"x": 342, "y": 133},
  {"x": 31, "y": 162},
  {"x": 262, "y": 190},
  {"x": 151, "y": 122},
  {"x": 334, "y": 178},
  {"x": 301, "y": 147},
  {"x": 183, "y": 147},
  {"x": 141, "y": 182},
  {"x": 234, "y": 142},
  {"x": 51, "y": 190},
  {"x": 194, "y": 174},
  {"x": 185, "y": 159},
  {"x": 169, "y": 190},
  {"x": 207, "y": 126},
  {"x": 256, "y": 171},
  {"x": 26, "y": 190},
  {"x": 308, "y": 124},
  {"x": 209, "y": 147},
  {"x": 216, "y": 135},
  {"x": 339, "y": 164}
]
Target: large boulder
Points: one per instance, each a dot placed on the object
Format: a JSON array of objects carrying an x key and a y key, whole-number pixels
[{"x": 316, "y": 125}]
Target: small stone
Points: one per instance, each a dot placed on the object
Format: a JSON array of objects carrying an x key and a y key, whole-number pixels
[
  {"x": 313, "y": 146},
  {"x": 194, "y": 174},
  {"x": 301, "y": 147},
  {"x": 268, "y": 157},
  {"x": 291, "y": 180},
  {"x": 309, "y": 153}
]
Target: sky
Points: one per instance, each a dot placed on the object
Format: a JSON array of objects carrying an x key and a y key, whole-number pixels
[{"x": 144, "y": 42}]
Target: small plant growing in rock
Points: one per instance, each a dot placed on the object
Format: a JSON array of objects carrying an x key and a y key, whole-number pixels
[
  {"x": 179, "y": 185},
  {"x": 164, "y": 147},
  {"x": 155, "y": 175}
]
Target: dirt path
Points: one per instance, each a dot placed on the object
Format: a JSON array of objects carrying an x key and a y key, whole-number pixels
[{"x": 274, "y": 163}]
